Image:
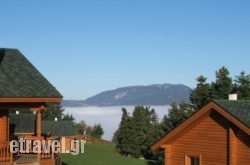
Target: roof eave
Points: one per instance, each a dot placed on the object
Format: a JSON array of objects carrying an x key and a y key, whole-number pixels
[{"x": 30, "y": 99}]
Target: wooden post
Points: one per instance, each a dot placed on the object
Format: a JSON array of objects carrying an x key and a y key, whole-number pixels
[
  {"x": 52, "y": 153},
  {"x": 232, "y": 147},
  {"x": 168, "y": 153},
  {"x": 39, "y": 111},
  {"x": 39, "y": 130}
]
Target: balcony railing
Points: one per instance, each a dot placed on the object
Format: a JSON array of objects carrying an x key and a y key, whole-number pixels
[
  {"x": 46, "y": 145},
  {"x": 27, "y": 154},
  {"x": 5, "y": 154}
]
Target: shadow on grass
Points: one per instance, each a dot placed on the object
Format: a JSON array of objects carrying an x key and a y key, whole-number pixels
[
  {"x": 154, "y": 162},
  {"x": 63, "y": 163}
]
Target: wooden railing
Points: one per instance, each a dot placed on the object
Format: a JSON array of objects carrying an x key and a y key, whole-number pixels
[
  {"x": 47, "y": 152},
  {"x": 46, "y": 148},
  {"x": 47, "y": 156},
  {"x": 5, "y": 154}
]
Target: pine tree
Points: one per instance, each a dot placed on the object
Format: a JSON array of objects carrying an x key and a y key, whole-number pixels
[
  {"x": 97, "y": 131},
  {"x": 222, "y": 87},
  {"x": 53, "y": 110},
  {"x": 152, "y": 133},
  {"x": 81, "y": 127},
  {"x": 68, "y": 117},
  {"x": 175, "y": 116},
  {"x": 137, "y": 133},
  {"x": 243, "y": 86},
  {"x": 122, "y": 136},
  {"x": 200, "y": 95},
  {"x": 140, "y": 128},
  {"x": 205, "y": 92}
]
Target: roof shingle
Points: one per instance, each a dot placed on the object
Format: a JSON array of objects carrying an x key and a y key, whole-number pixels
[
  {"x": 22, "y": 123},
  {"x": 20, "y": 79},
  {"x": 240, "y": 109}
]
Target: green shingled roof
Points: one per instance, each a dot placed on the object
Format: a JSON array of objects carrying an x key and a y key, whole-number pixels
[
  {"x": 20, "y": 79},
  {"x": 240, "y": 109},
  {"x": 26, "y": 123},
  {"x": 22, "y": 123},
  {"x": 59, "y": 128}
]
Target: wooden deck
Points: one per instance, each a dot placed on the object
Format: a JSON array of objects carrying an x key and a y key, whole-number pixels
[
  {"x": 25, "y": 158},
  {"x": 31, "y": 159}
]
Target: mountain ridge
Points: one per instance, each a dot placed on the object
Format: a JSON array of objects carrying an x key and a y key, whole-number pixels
[{"x": 154, "y": 94}]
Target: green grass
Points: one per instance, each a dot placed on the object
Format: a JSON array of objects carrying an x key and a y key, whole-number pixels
[{"x": 100, "y": 154}]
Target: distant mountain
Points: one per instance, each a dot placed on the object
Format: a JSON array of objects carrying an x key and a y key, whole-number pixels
[
  {"x": 157, "y": 94},
  {"x": 73, "y": 103}
]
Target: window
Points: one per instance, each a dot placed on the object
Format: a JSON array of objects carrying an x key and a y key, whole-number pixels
[{"x": 192, "y": 160}]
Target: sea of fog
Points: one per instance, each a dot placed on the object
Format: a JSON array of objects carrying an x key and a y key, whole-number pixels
[{"x": 108, "y": 117}]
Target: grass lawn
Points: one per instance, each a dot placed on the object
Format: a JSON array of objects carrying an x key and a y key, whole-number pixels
[{"x": 100, "y": 154}]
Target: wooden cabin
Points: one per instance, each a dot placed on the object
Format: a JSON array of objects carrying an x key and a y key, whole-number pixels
[
  {"x": 23, "y": 86},
  {"x": 217, "y": 134}
]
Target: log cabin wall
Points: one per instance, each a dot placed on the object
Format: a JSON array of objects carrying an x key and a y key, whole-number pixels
[
  {"x": 4, "y": 125},
  {"x": 243, "y": 148},
  {"x": 206, "y": 138},
  {"x": 217, "y": 134}
]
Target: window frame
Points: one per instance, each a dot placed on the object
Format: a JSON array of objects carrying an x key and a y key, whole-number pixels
[{"x": 188, "y": 158}]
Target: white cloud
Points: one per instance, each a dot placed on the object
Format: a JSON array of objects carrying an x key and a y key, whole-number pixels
[{"x": 108, "y": 117}]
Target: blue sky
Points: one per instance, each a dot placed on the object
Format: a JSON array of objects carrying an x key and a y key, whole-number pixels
[{"x": 85, "y": 47}]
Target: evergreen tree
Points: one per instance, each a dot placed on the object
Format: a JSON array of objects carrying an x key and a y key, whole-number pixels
[
  {"x": 121, "y": 129},
  {"x": 53, "y": 110},
  {"x": 153, "y": 132},
  {"x": 243, "y": 86},
  {"x": 88, "y": 130},
  {"x": 81, "y": 127},
  {"x": 139, "y": 129},
  {"x": 97, "y": 131},
  {"x": 218, "y": 90},
  {"x": 122, "y": 136},
  {"x": 137, "y": 133},
  {"x": 200, "y": 95},
  {"x": 176, "y": 115},
  {"x": 68, "y": 117},
  {"x": 222, "y": 87}
]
